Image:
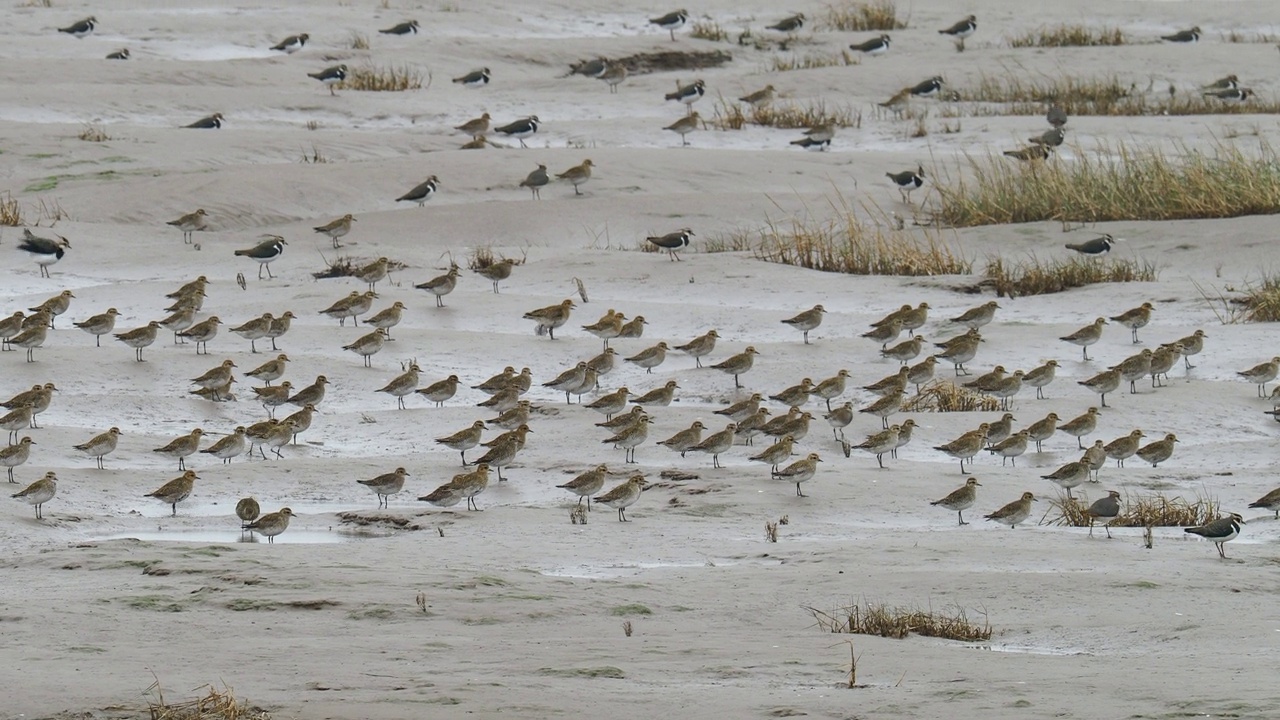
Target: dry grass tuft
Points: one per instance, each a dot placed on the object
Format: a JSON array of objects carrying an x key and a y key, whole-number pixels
[
  {"x": 93, "y": 133},
  {"x": 810, "y": 61},
  {"x": 1098, "y": 96},
  {"x": 741, "y": 240},
  {"x": 943, "y": 396},
  {"x": 732, "y": 116},
  {"x": 708, "y": 30},
  {"x": 376, "y": 78},
  {"x": 346, "y": 266},
  {"x": 314, "y": 157},
  {"x": 1076, "y": 95},
  {"x": 899, "y": 622},
  {"x": 51, "y": 211},
  {"x": 1235, "y": 36},
  {"x": 849, "y": 16},
  {"x": 484, "y": 256},
  {"x": 848, "y": 244},
  {"x": 1120, "y": 184},
  {"x": 11, "y": 212},
  {"x": 672, "y": 60},
  {"x": 1068, "y": 36},
  {"x": 359, "y": 41},
  {"x": 1042, "y": 277},
  {"x": 1147, "y": 511},
  {"x": 216, "y": 705},
  {"x": 1261, "y": 301}
]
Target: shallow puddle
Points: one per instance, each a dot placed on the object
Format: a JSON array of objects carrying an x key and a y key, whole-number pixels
[
  {"x": 629, "y": 569},
  {"x": 235, "y": 536},
  {"x": 1031, "y": 650}
]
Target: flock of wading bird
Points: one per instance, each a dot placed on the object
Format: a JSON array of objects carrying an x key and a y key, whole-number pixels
[
  {"x": 627, "y": 422},
  {"x": 628, "y": 430}
]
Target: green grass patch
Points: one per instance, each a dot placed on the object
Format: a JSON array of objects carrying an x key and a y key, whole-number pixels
[
  {"x": 604, "y": 671},
  {"x": 372, "y": 613},
  {"x": 157, "y": 603},
  {"x": 248, "y": 604},
  {"x": 632, "y": 609},
  {"x": 43, "y": 185}
]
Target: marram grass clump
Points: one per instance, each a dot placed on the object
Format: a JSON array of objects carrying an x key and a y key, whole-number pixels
[
  {"x": 10, "y": 212},
  {"x": 708, "y": 30},
  {"x": 1096, "y": 95},
  {"x": 810, "y": 61},
  {"x": 215, "y": 705},
  {"x": 850, "y": 16},
  {"x": 348, "y": 266},
  {"x": 483, "y": 256},
  {"x": 1124, "y": 183},
  {"x": 899, "y": 622},
  {"x": 790, "y": 116},
  {"x": 382, "y": 78},
  {"x": 845, "y": 243},
  {"x": 1068, "y": 36},
  {"x": 1261, "y": 301},
  {"x": 1153, "y": 510},
  {"x": 944, "y": 396},
  {"x": 1042, "y": 277}
]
